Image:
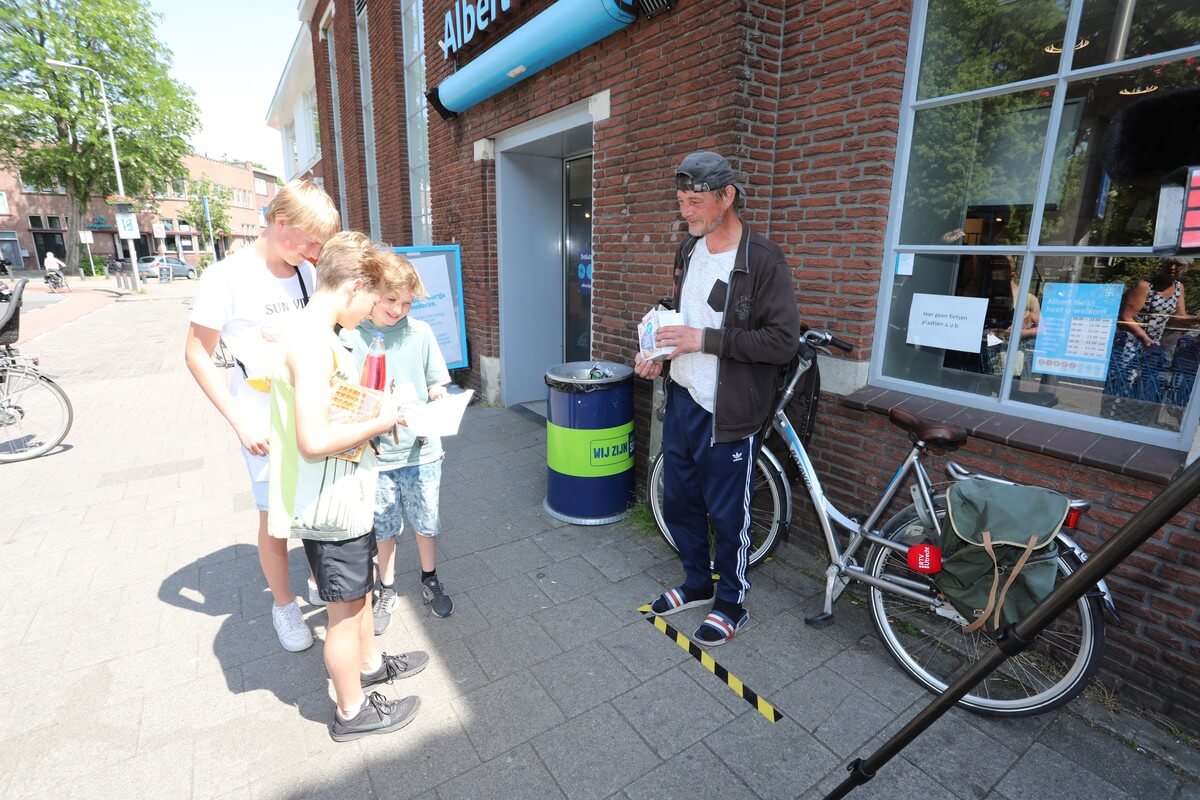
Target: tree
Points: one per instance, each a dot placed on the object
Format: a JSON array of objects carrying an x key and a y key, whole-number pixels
[
  {"x": 52, "y": 127},
  {"x": 218, "y": 208}
]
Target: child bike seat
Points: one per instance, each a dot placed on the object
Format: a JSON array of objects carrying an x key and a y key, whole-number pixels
[{"x": 938, "y": 435}]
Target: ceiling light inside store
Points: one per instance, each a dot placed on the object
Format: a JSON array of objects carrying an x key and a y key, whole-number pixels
[
  {"x": 1130, "y": 91},
  {"x": 1054, "y": 48}
]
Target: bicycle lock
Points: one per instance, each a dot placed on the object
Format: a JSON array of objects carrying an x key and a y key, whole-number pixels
[{"x": 1013, "y": 639}]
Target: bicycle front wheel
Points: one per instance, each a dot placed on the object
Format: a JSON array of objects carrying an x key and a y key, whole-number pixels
[
  {"x": 35, "y": 415},
  {"x": 767, "y": 508},
  {"x": 929, "y": 644}
]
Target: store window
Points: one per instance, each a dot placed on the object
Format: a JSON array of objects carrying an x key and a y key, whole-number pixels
[
  {"x": 187, "y": 244},
  {"x": 1020, "y": 276},
  {"x": 10, "y": 249},
  {"x": 417, "y": 120},
  {"x": 367, "y": 99}
]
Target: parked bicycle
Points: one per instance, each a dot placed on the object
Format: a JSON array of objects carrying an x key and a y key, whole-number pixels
[
  {"x": 922, "y": 631},
  {"x": 35, "y": 414}
]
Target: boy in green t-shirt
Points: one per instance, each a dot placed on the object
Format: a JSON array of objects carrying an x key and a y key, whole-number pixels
[{"x": 410, "y": 467}]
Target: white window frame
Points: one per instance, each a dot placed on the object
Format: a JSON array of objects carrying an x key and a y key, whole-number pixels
[
  {"x": 4, "y": 209},
  {"x": 417, "y": 127},
  {"x": 339, "y": 157},
  {"x": 1056, "y": 82},
  {"x": 367, "y": 96}
]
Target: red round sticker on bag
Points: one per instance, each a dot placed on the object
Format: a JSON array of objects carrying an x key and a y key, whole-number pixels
[{"x": 926, "y": 558}]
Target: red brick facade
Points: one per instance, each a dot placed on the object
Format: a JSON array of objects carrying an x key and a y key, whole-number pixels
[{"x": 804, "y": 98}]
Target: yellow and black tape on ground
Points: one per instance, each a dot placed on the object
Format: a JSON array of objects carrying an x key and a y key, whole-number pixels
[{"x": 697, "y": 652}]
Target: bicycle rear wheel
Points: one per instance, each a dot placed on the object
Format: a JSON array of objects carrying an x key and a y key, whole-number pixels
[
  {"x": 35, "y": 415},
  {"x": 929, "y": 643},
  {"x": 767, "y": 508}
]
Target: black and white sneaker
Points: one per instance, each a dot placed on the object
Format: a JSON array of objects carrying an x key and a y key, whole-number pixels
[
  {"x": 378, "y": 715},
  {"x": 404, "y": 665},
  {"x": 435, "y": 597}
]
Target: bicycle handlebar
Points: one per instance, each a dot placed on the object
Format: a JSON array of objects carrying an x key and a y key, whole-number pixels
[{"x": 825, "y": 338}]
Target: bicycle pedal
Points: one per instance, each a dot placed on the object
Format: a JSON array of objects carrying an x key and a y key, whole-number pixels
[{"x": 820, "y": 620}]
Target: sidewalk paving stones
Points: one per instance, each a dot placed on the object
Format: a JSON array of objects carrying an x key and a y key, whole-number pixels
[{"x": 154, "y": 672}]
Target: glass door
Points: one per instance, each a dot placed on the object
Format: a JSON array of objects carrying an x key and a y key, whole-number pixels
[{"x": 577, "y": 324}]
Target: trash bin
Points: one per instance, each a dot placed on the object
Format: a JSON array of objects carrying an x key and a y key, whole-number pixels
[{"x": 589, "y": 442}]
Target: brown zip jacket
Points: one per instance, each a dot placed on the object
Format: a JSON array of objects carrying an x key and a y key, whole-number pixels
[{"x": 760, "y": 333}]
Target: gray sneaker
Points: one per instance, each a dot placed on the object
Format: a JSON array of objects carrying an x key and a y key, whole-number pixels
[
  {"x": 385, "y": 604},
  {"x": 378, "y": 715},
  {"x": 404, "y": 665},
  {"x": 434, "y": 597}
]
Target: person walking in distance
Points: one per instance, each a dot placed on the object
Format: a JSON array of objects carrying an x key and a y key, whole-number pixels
[
  {"x": 249, "y": 300},
  {"x": 735, "y": 291}
]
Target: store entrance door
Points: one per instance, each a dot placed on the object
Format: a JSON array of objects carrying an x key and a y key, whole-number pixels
[
  {"x": 543, "y": 209},
  {"x": 577, "y": 321}
]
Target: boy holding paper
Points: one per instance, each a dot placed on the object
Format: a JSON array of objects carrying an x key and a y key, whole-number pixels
[{"x": 410, "y": 466}]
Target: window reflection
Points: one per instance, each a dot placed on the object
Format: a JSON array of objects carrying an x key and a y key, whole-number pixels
[
  {"x": 1114, "y": 339},
  {"x": 973, "y": 170},
  {"x": 1118, "y": 29},
  {"x": 971, "y": 45},
  {"x": 1083, "y": 206}
]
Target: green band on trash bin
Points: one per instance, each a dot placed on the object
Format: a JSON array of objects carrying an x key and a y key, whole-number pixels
[{"x": 589, "y": 453}]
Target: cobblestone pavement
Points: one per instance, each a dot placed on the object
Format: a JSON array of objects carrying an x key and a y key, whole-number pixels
[{"x": 140, "y": 661}]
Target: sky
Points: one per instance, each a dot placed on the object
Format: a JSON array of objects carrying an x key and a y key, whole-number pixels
[{"x": 231, "y": 53}]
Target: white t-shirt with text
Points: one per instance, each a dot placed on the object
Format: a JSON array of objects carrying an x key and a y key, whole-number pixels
[{"x": 253, "y": 310}]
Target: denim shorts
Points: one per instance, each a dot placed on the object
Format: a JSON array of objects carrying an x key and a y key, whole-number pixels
[{"x": 408, "y": 493}]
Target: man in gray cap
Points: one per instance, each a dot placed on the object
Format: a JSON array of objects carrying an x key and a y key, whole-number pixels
[{"x": 735, "y": 291}]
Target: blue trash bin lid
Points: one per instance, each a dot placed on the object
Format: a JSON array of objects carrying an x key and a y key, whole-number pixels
[{"x": 587, "y": 376}]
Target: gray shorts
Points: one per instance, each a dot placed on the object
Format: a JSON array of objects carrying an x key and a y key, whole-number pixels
[{"x": 408, "y": 493}]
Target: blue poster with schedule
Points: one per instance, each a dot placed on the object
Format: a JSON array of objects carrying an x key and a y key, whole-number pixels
[{"x": 1075, "y": 334}]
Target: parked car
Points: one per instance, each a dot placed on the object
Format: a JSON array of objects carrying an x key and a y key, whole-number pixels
[{"x": 148, "y": 267}]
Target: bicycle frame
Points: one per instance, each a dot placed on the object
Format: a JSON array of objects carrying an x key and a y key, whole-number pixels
[{"x": 842, "y": 566}]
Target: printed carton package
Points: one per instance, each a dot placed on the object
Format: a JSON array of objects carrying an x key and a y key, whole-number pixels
[{"x": 657, "y": 317}]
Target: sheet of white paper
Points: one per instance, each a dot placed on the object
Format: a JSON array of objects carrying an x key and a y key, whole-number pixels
[
  {"x": 952, "y": 323},
  {"x": 904, "y": 263},
  {"x": 439, "y": 418}
]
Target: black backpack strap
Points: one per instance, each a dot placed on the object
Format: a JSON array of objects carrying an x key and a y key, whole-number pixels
[{"x": 303, "y": 288}]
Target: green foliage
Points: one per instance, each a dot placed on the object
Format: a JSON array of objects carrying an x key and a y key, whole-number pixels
[
  {"x": 205, "y": 260},
  {"x": 94, "y": 268},
  {"x": 218, "y": 209},
  {"x": 52, "y": 124}
]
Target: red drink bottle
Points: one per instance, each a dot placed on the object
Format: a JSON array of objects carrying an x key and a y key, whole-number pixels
[{"x": 374, "y": 374}]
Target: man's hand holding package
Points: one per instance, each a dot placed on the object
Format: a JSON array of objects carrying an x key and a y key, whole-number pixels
[{"x": 683, "y": 338}]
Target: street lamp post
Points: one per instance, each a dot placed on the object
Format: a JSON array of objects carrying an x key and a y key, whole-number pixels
[{"x": 112, "y": 141}]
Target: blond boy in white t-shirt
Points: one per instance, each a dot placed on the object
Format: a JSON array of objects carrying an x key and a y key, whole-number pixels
[{"x": 249, "y": 299}]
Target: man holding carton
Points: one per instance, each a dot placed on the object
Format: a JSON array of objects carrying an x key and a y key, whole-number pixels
[{"x": 734, "y": 289}]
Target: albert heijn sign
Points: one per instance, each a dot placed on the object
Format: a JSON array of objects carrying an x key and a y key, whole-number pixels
[{"x": 467, "y": 18}]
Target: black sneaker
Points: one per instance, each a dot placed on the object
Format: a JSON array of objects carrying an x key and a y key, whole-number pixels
[
  {"x": 404, "y": 665},
  {"x": 435, "y": 597},
  {"x": 378, "y": 715}
]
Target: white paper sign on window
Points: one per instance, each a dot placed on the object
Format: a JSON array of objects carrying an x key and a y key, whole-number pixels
[{"x": 951, "y": 323}]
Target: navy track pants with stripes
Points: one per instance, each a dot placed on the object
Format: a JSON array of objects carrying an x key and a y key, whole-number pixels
[{"x": 703, "y": 481}]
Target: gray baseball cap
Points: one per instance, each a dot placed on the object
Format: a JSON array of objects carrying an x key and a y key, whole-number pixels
[{"x": 705, "y": 171}]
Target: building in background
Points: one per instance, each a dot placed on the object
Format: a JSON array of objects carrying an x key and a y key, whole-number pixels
[
  {"x": 293, "y": 112},
  {"x": 913, "y": 159},
  {"x": 33, "y": 221}
]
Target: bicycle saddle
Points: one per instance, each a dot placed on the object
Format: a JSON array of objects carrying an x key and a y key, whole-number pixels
[{"x": 934, "y": 434}]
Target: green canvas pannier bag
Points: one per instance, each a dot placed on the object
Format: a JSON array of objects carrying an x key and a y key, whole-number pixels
[{"x": 999, "y": 554}]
